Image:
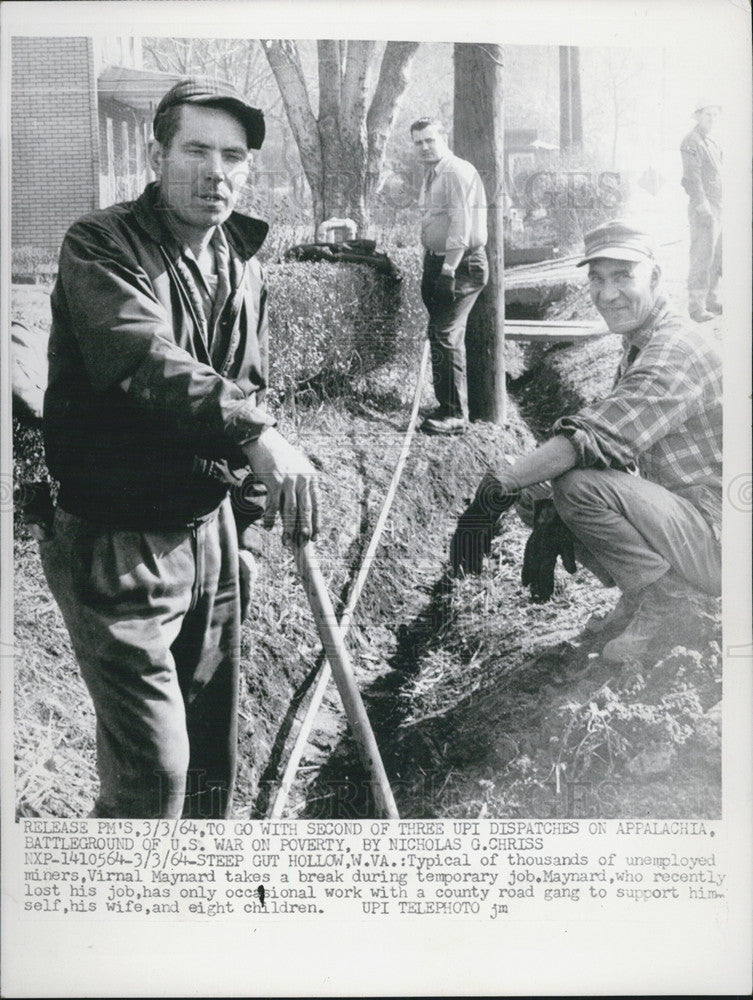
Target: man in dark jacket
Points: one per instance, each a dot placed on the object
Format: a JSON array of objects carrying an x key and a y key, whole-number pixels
[
  {"x": 702, "y": 179},
  {"x": 157, "y": 375}
]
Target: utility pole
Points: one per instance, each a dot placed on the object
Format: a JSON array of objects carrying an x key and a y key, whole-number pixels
[
  {"x": 571, "y": 110},
  {"x": 479, "y": 123}
]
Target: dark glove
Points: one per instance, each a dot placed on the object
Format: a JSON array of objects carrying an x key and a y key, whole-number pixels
[
  {"x": 249, "y": 501},
  {"x": 444, "y": 288},
  {"x": 550, "y": 538},
  {"x": 478, "y": 524}
]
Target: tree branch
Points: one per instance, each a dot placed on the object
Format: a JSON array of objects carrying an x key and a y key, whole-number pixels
[
  {"x": 330, "y": 74},
  {"x": 394, "y": 74},
  {"x": 285, "y": 64},
  {"x": 354, "y": 93}
]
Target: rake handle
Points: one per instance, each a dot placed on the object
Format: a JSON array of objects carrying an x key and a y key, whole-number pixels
[{"x": 330, "y": 634}]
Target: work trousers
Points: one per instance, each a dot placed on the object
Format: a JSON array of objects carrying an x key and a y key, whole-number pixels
[
  {"x": 705, "y": 257},
  {"x": 632, "y": 531},
  {"x": 154, "y": 620},
  {"x": 447, "y": 322}
]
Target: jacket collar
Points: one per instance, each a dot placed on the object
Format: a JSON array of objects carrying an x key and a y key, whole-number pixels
[{"x": 244, "y": 233}]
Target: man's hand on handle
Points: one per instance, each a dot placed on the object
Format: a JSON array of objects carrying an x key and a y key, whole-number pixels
[{"x": 290, "y": 480}]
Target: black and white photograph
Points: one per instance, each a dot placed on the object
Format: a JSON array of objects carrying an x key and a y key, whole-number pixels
[{"x": 374, "y": 408}]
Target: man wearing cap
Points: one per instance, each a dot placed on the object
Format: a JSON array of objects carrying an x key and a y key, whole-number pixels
[
  {"x": 453, "y": 232},
  {"x": 702, "y": 180},
  {"x": 636, "y": 478},
  {"x": 157, "y": 376}
]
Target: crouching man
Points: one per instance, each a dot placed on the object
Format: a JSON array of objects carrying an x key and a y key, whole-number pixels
[
  {"x": 157, "y": 373},
  {"x": 635, "y": 479}
]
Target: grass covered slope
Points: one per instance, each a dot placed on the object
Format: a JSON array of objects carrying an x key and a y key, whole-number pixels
[{"x": 484, "y": 703}]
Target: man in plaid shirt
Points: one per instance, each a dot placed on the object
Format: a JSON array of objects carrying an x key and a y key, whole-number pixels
[{"x": 636, "y": 478}]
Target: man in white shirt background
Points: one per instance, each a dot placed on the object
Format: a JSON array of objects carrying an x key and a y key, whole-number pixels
[{"x": 453, "y": 234}]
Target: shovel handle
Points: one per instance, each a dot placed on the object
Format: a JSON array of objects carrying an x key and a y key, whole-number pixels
[{"x": 330, "y": 634}]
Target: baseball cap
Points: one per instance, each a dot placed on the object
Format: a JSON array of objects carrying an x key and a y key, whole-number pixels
[
  {"x": 617, "y": 240},
  {"x": 202, "y": 90},
  {"x": 704, "y": 103}
]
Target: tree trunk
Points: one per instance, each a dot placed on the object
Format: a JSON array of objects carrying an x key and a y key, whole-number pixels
[
  {"x": 479, "y": 137},
  {"x": 342, "y": 150},
  {"x": 566, "y": 130},
  {"x": 571, "y": 114},
  {"x": 285, "y": 63},
  {"x": 576, "y": 104},
  {"x": 394, "y": 74}
]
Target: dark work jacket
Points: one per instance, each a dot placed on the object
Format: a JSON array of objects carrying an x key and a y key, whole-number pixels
[
  {"x": 701, "y": 169},
  {"x": 124, "y": 314}
]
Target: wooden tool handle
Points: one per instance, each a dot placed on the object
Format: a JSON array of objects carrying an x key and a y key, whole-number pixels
[{"x": 331, "y": 638}]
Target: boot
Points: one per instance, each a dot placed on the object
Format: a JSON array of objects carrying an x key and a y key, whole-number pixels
[
  {"x": 713, "y": 305},
  {"x": 697, "y": 307},
  {"x": 444, "y": 425},
  {"x": 617, "y": 618},
  {"x": 701, "y": 315},
  {"x": 658, "y": 605}
]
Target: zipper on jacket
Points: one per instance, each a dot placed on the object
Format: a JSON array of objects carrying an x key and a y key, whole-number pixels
[{"x": 188, "y": 298}]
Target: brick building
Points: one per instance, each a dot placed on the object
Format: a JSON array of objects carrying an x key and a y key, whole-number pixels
[{"x": 81, "y": 113}]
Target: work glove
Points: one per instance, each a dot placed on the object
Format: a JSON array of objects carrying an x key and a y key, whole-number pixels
[
  {"x": 550, "y": 538},
  {"x": 478, "y": 524},
  {"x": 444, "y": 288},
  {"x": 249, "y": 501}
]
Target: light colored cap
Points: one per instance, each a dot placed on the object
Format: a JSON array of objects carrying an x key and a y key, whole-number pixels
[
  {"x": 617, "y": 240},
  {"x": 704, "y": 103}
]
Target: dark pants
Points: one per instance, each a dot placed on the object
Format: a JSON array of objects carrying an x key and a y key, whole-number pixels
[
  {"x": 154, "y": 620},
  {"x": 705, "y": 257},
  {"x": 447, "y": 322}
]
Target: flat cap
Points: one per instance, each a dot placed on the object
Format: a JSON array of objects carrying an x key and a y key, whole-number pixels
[
  {"x": 617, "y": 240},
  {"x": 219, "y": 93}
]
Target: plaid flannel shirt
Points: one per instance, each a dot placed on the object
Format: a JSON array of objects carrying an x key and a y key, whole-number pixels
[{"x": 663, "y": 417}]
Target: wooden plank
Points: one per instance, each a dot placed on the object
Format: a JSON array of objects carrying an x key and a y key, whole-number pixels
[{"x": 556, "y": 332}]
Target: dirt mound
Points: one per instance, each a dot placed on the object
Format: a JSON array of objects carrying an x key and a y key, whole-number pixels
[
  {"x": 483, "y": 703},
  {"x": 497, "y": 706}
]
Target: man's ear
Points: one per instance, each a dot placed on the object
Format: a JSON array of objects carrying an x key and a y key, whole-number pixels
[
  {"x": 655, "y": 276},
  {"x": 156, "y": 155}
]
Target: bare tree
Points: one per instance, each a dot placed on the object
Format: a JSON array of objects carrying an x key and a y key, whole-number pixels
[
  {"x": 238, "y": 60},
  {"x": 342, "y": 148}
]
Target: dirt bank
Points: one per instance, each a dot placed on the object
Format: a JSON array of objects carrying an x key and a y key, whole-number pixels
[{"x": 483, "y": 703}]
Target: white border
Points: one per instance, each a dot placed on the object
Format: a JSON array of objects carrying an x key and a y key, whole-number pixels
[{"x": 417, "y": 957}]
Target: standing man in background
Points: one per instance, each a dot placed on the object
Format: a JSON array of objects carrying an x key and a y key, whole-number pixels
[
  {"x": 701, "y": 178},
  {"x": 453, "y": 233}
]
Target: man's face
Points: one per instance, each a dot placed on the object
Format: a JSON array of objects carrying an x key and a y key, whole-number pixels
[
  {"x": 623, "y": 291},
  {"x": 430, "y": 144},
  {"x": 204, "y": 168},
  {"x": 707, "y": 119}
]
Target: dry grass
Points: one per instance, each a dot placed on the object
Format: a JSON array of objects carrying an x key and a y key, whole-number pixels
[
  {"x": 54, "y": 757},
  {"x": 482, "y": 701}
]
